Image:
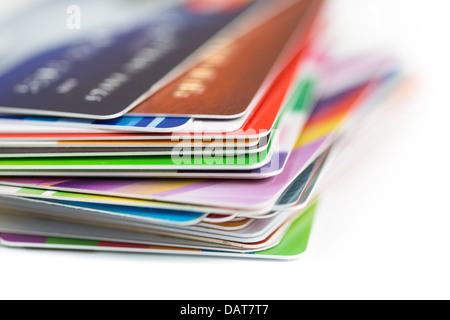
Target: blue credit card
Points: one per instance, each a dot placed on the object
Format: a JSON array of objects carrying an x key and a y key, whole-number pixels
[
  {"x": 103, "y": 212},
  {"x": 99, "y": 58},
  {"x": 121, "y": 124}
]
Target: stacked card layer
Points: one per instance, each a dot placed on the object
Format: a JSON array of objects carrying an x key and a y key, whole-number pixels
[{"x": 192, "y": 127}]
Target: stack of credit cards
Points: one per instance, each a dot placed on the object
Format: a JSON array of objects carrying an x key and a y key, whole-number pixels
[{"x": 198, "y": 127}]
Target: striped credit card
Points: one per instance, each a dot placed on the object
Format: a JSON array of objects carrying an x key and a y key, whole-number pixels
[{"x": 140, "y": 124}]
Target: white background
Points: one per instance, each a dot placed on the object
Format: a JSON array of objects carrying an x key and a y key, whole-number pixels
[{"x": 383, "y": 232}]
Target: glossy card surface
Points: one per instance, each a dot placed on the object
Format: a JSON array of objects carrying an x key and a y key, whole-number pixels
[{"x": 110, "y": 63}]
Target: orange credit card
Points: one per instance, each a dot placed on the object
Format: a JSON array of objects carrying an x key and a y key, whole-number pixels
[{"x": 235, "y": 74}]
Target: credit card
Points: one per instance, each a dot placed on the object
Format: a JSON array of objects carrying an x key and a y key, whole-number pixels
[
  {"x": 175, "y": 161},
  {"x": 104, "y": 66},
  {"x": 128, "y": 124},
  {"x": 224, "y": 150},
  {"x": 124, "y": 143},
  {"x": 230, "y": 82}
]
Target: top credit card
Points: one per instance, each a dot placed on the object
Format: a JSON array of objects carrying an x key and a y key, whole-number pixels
[{"x": 99, "y": 59}]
